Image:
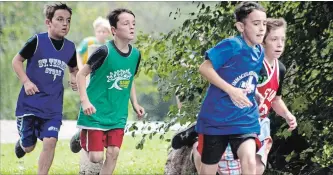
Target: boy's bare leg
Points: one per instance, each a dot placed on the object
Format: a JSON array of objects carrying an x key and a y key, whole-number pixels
[
  {"x": 203, "y": 169},
  {"x": 95, "y": 156},
  {"x": 208, "y": 169},
  {"x": 260, "y": 167},
  {"x": 47, "y": 155},
  {"x": 110, "y": 162},
  {"x": 196, "y": 156},
  {"x": 247, "y": 155}
]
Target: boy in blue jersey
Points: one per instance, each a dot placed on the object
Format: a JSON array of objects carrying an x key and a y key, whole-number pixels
[
  {"x": 40, "y": 102},
  {"x": 229, "y": 113}
]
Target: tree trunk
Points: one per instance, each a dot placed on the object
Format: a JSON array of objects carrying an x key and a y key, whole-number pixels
[{"x": 179, "y": 162}]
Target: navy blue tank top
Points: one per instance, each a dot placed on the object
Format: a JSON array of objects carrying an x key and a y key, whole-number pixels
[{"x": 46, "y": 70}]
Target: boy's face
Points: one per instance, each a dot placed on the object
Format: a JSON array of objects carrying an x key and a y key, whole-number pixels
[
  {"x": 254, "y": 27},
  {"x": 125, "y": 27},
  {"x": 101, "y": 33},
  {"x": 274, "y": 43},
  {"x": 60, "y": 23}
]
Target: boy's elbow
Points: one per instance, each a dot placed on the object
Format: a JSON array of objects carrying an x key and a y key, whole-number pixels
[
  {"x": 201, "y": 68},
  {"x": 15, "y": 61}
]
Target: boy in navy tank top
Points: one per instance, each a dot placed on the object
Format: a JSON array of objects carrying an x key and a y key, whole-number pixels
[
  {"x": 229, "y": 113},
  {"x": 40, "y": 102}
]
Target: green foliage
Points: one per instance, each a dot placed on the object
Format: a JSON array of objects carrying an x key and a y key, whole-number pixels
[
  {"x": 71, "y": 104},
  {"x": 175, "y": 57}
]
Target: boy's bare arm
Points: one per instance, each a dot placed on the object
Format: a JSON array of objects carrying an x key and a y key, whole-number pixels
[
  {"x": 72, "y": 77},
  {"x": 87, "y": 107},
  {"x": 17, "y": 64},
  {"x": 281, "y": 109},
  {"x": 206, "y": 70},
  {"x": 237, "y": 95},
  {"x": 81, "y": 82},
  {"x": 138, "y": 109},
  {"x": 79, "y": 60},
  {"x": 134, "y": 100}
]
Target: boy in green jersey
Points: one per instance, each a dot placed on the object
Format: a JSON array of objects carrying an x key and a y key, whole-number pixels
[{"x": 104, "y": 111}]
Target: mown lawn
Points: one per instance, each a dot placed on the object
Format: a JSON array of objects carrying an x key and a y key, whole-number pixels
[{"x": 150, "y": 160}]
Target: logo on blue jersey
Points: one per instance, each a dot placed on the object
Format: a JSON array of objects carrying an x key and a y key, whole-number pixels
[
  {"x": 52, "y": 66},
  {"x": 246, "y": 80}
]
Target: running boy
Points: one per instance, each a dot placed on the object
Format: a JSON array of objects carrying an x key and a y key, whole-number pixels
[
  {"x": 229, "y": 112},
  {"x": 102, "y": 30},
  {"x": 104, "y": 110},
  {"x": 40, "y": 102}
]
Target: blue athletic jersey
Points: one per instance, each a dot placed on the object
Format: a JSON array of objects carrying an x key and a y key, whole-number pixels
[
  {"x": 239, "y": 65},
  {"x": 46, "y": 70}
]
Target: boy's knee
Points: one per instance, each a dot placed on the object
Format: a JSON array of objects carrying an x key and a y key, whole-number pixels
[
  {"x": 112, "y": 152},
  {"x": 260, "y": 167},
  {"x": 95, "y": 157},
  {"x": 29, "y": 149},
  {"x": 195, "y": 145},
  {"x": 249, "y": 160},
  {"x": 49, "y": 143}
]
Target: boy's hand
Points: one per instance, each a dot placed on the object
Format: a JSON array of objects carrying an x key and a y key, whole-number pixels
[
  {"x": 72, "y": 82},
  {"x": 30, "y": 88},
  {"x": 291, "y": 120},
  {"x": 88, "y": 108},
  {"x": 140, "y": 111},
  {"x": 239, "y": 98}
]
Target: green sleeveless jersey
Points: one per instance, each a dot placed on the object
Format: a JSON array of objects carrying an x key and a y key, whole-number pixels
[{"x": 109, "y": 91}]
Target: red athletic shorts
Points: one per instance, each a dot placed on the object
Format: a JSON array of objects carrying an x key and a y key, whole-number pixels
[{"x": 96, "y": 140}]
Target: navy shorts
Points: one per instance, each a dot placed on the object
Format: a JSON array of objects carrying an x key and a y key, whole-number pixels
[{"x": 31, "y": 127}]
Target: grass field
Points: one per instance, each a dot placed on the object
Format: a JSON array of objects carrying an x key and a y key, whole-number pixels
[{"x": 150, "y": 160}]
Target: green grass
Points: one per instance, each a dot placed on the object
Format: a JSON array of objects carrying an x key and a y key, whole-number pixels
[{"x": 150, "y": 160}]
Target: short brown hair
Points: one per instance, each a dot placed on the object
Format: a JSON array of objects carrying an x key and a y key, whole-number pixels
[
  {"x": 50, "y": 9},
  {"x": 113, "y": 15},
  {"x": 245, "y": 8},
  {"x": 273, "y": 24}
]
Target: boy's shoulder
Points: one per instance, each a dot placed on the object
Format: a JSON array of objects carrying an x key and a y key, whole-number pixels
[
  {"x": 234, "y": 43},
  {"x": 111, "y": 44},
  {"x": 70, "y": 42},
  {"x": 134, "y": 48}
]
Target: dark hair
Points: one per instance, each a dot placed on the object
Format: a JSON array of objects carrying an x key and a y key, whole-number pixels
[
  {"x": 50, "y": 9},
  {"x": 113, "y": 15},
  {"x": 245, "y": 8},
  {"x": 273, "y": 24}
]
